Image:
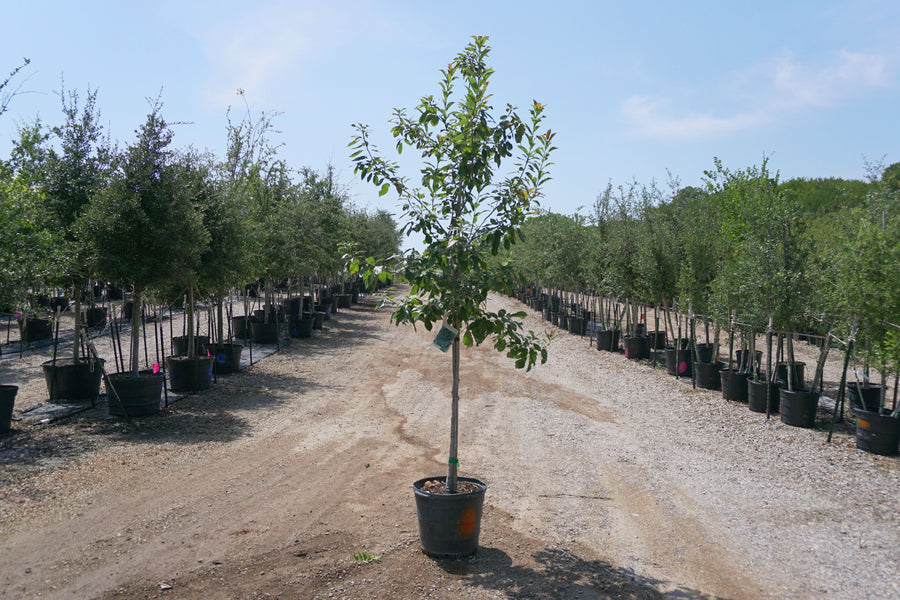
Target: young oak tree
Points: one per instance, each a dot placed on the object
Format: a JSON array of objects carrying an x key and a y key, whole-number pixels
[{"x": 465, "y": 212}]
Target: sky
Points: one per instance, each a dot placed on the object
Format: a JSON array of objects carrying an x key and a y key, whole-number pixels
[{"x": 643, "y": 91}]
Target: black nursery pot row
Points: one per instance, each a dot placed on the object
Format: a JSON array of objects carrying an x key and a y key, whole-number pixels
[
  {"x": 877, "y": 429},
  {"x": 134, "y": 396}
]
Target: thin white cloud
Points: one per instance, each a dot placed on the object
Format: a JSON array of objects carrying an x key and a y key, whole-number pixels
[
  {"x": 268, "y": 46},
  {"x": 798, "y": 87},
  {"x": 650, "y": 118},
  {"x": 777, "y": 88}
]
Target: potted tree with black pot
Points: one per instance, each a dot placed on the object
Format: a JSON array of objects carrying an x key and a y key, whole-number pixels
[
  {"x": 467, "y": 215},
  {"x": 624, "y": 269},
  {"x": 192, "y": 371},
  {"x": 764, "y": 277},
  {"x": 76, "y": 173},
  {"x": 144, "y": 232},
  {"x": 257, "y": 181},
  {"x": 864, "y": 289},
  {"x": 27, "y": 234}
]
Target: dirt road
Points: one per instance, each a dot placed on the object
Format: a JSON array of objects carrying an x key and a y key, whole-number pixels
[{"x": 607, "y": 479}]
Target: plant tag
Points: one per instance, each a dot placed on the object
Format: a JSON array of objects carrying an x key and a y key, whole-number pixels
[
  {"x": 155, "y": 368},
  {"x": 445, "y": 337}
]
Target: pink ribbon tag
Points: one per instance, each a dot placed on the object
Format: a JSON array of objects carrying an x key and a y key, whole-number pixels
[{"x": 155, "y": 368}]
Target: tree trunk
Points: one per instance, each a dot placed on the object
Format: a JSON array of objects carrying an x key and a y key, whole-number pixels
[
  {"x": 454, "y": 417},
  {"x": 76, "y": 293},
  {"x": 191, "y": 351},
  {"x": 135, "y": 333},
  {"x": 220, "y": 317}
]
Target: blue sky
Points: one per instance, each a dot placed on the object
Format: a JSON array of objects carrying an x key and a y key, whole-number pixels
[{"x": 634, "y": 90}]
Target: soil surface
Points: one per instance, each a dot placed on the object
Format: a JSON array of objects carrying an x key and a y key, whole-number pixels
[{"x": 607, "y": 478}]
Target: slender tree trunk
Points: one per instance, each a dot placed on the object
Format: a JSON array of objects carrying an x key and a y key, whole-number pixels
[
  {"x": 192, "y": 352},
  {"x": 136, "y": 334},
  {"x": 453, "y": 466},
  {"x": 76, "y": 346},
  {"x": 220, "y": 317}
]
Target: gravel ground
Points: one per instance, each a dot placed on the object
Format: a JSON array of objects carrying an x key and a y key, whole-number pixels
[{"x": 607, "y": 478}]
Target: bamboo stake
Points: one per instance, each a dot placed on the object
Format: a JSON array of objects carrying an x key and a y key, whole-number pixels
[
  {"x": 156, "y": 335},
  {"x": 730, "y": 340},
  {"x": 693, "y": 345},
  {"x": 144, "y": 330},
  {"x": 770, "y": 375},
  {"x": 55, "y": 350}
]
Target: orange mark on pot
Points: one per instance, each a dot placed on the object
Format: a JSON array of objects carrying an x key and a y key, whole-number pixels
[
  {"x": 863, "y": 424},
  {"x": 467, "y": 523}
]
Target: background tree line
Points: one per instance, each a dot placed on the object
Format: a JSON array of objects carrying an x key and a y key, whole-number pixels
[
  {"x": 156, "y": 218},
  {"x": 809, "y": 253}
]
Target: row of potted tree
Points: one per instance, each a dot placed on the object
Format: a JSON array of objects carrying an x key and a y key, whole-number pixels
[
  {"x": 172, "y": 224},
  {"x": 746, "y": 255}
]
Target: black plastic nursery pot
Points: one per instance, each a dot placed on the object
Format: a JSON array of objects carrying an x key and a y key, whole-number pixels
[
  {"x": 325, "y": 309},
  {"x": 756, "y": 396},
  {"x": 734, "y": 385},
  {"x": 678, "y": 362},
  {"x": 449, "y": 524},
  {"x": 7, "y": 400},
  {"x": 705, "y": 352},
  {"x": 263, "y": 333},
  {"x": 131, "y": 396},
  {"x": 180, "y": 344},
  {"x": 300, "y": 326},
  {"x": 797, "y": 371},
  {"x": 707, "y": 375},
  {"x": 190, "y": 374},
  {"x": 59, "y": 303},
  {"x": 577, "y": 325},
  {"x": 227, "y": 358},
  {"x": 293, "y": 306},
  {"x": 608, "y": 340},
  {"x": 94, "y": 317},
  {"x": 657, "y": 340},
  {"x": 35, "y": 329},
  {"x": 798, "y": 407},
  {"x": 241, "y": 327},
  {"x": 878, "y": 432},
  {"x": 866, "y": 397},
  {"x": 344, "y": 300},
  {"x": 319, "y": 319},
  {"x": 637, "y": 347},
  {"x": 127, "y": 309},
  {"x": 546, "y": 313},
  {"x": 68, "y": 379}
]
